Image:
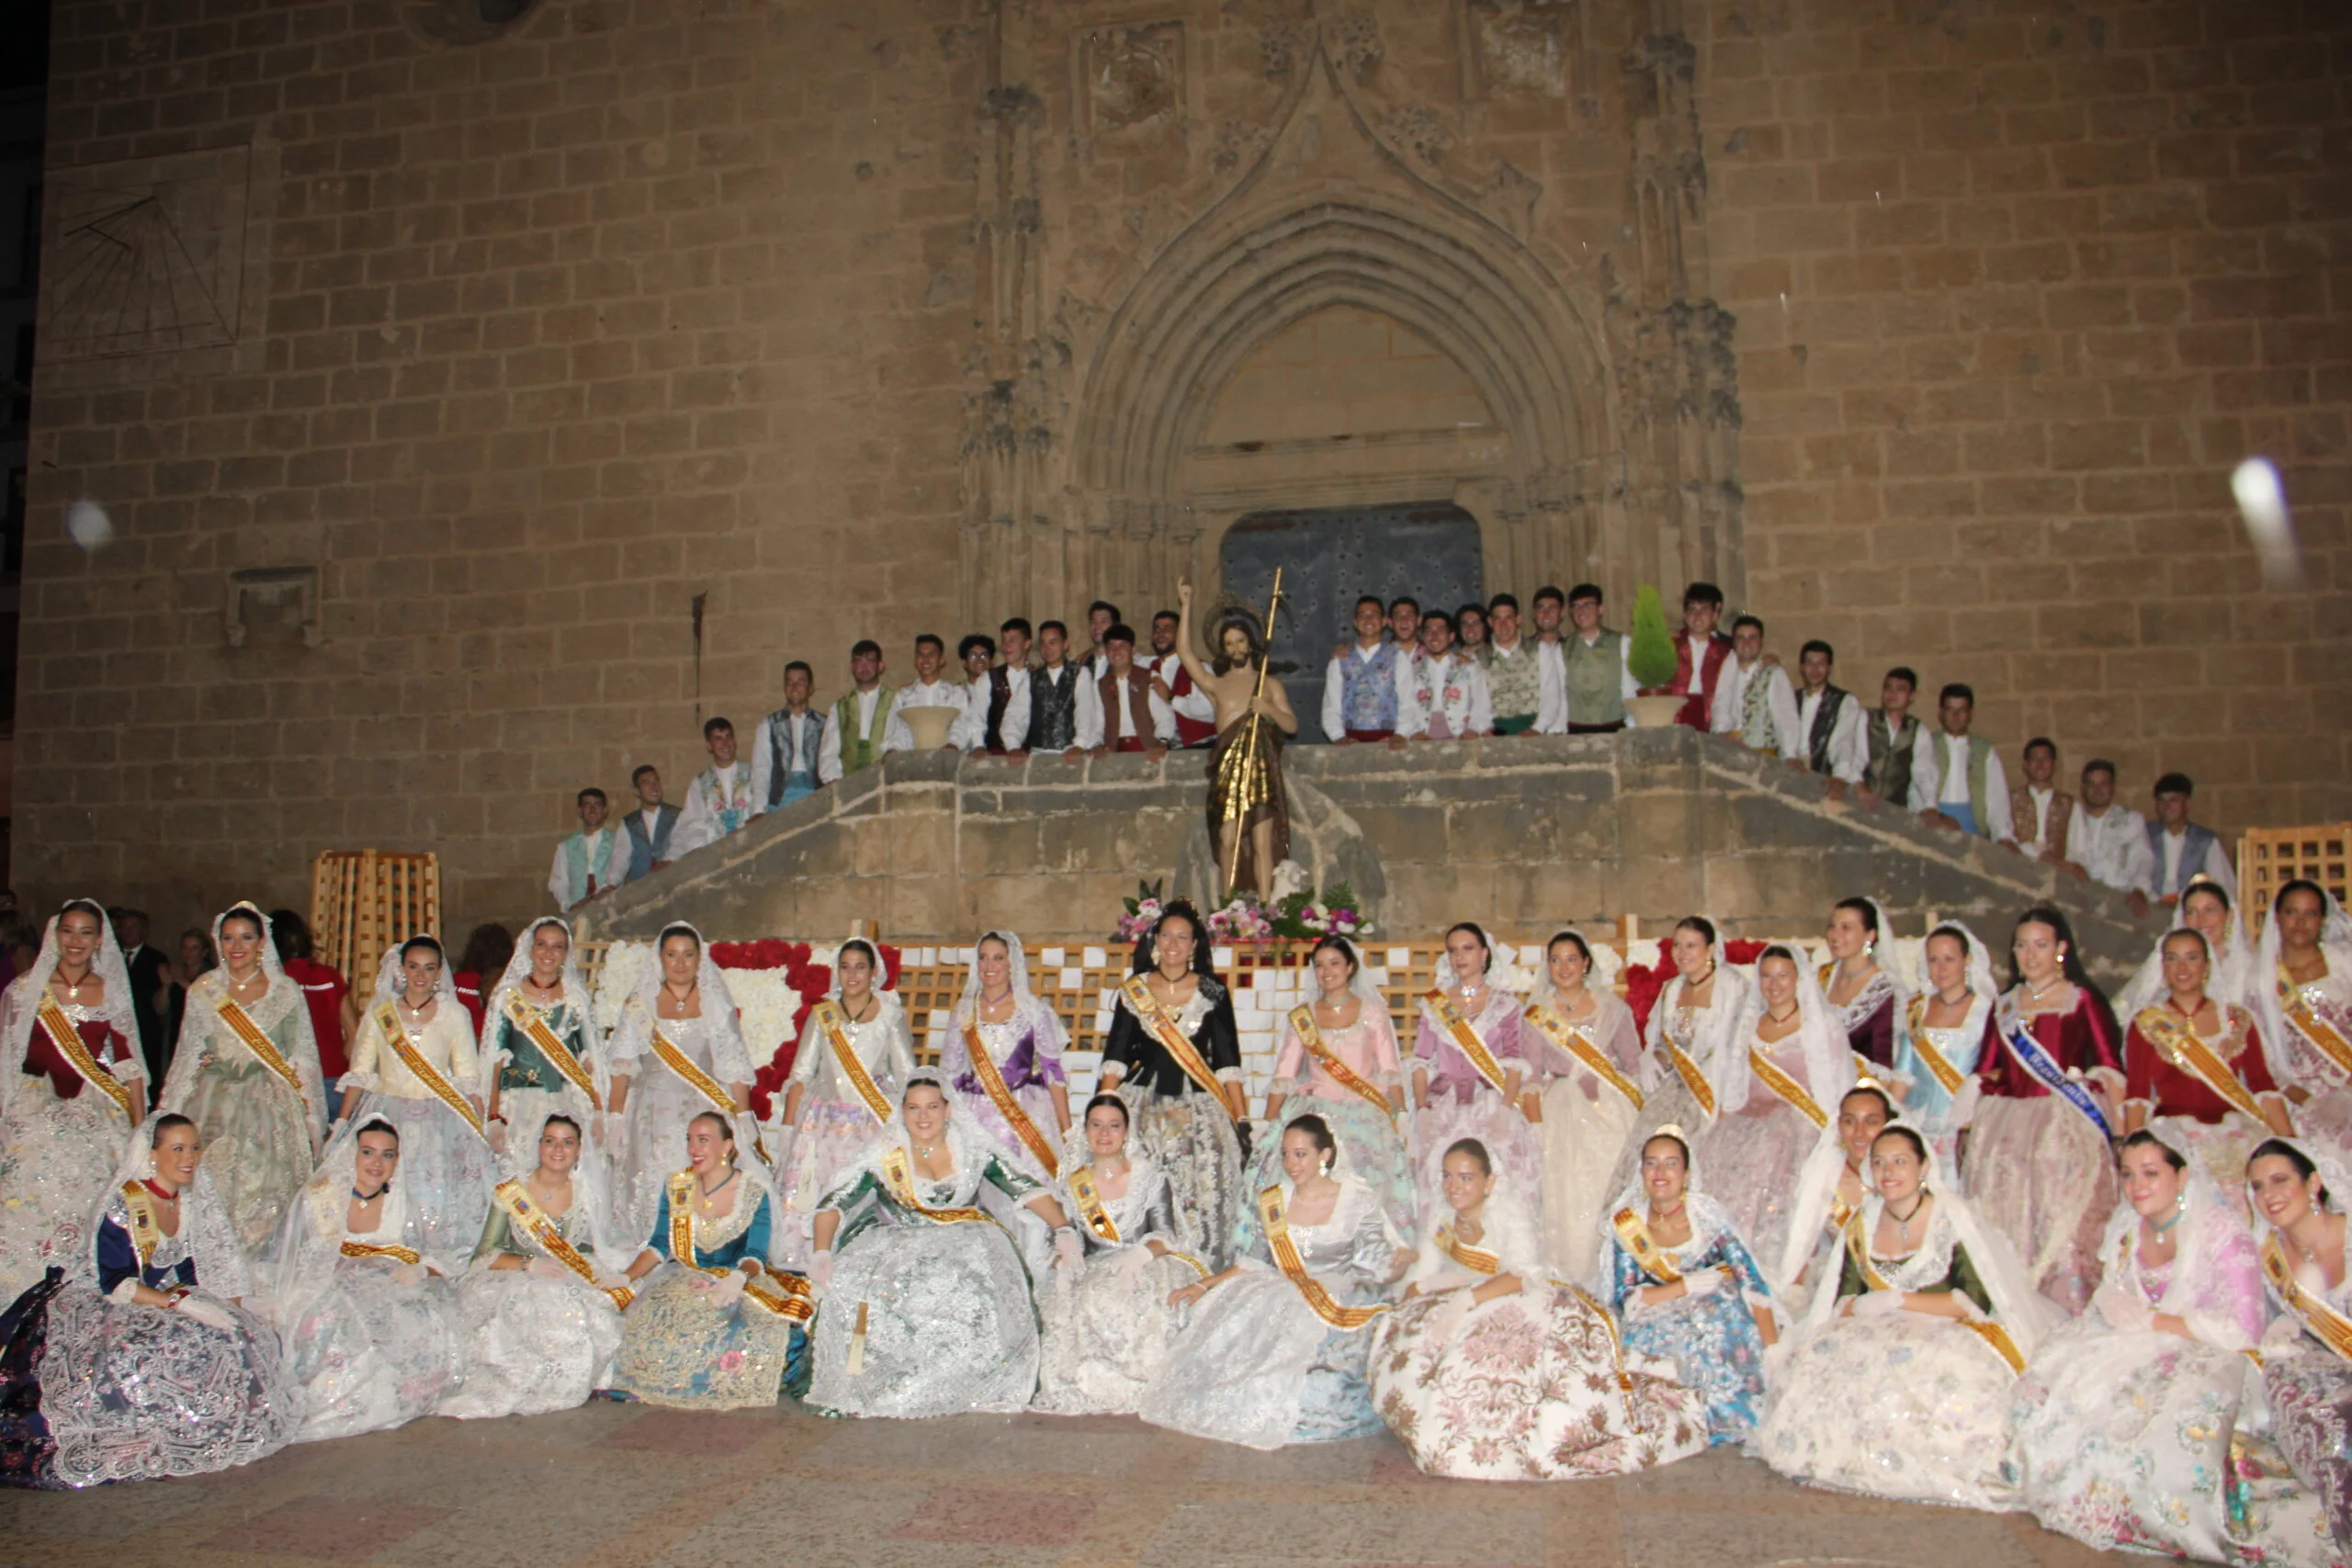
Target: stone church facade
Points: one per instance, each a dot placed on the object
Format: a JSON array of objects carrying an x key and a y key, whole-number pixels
[{"x": 483, "y": 393}]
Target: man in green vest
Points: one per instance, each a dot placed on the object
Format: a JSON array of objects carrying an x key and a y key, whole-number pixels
[
  {"x": 864, "y": 723},
  {"x": 1594, "y": 672}
]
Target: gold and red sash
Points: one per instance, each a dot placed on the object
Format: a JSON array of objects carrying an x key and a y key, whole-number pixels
[
  {"x": 146, "y": 1230},
  {"x": 1302, "y": 1019},
  {"x": 1578, "y": 1044},
  {"x": 701, "y": 1083},
  {"x": 1760, "y": 1062},
  {"x": 396, "y": 1039},
  {"x": 2325, "y": 1037},
  {"x": 68, "y": 1041},
  {"x": 1634, "y": 1233},
  {"x": 1466, "y": 1039},
  {"x": 786, "y": 1296},
  {"x": 1692, "y": 1078},
  {"x": 532, "y": 1221},
  {"x": 1993, "y": 1334},
  {"x": 370, "y": 1249},
  {"x": 1180, "y": 1050},
  {"x": 1001, "y": 1096},
  {"x": 828, "y": 1017},
  {"x": 1478, "y": 1259},
  {"x": 1944, "y": 1072},
  {"x": 249, "y": 1034},
  {"x": 1272, "y": 1212},
  {"x": 2177, "y": 1042},
  {"x": 2329, "y": 1327},
  {"x": 1091, "y": 1208},
  {"x": 898, "y": 1175},
  {"x": 536, "y": 1028}
]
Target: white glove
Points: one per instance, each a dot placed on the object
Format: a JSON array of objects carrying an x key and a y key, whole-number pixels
[
  {"x": 546, "y": 1269},
  {"x": 2125, "y": 1313},
  {"x": 1705, "y": 1281},
  {"x": 497, "y": 1132},
  {"x": 612, "y": 1279},
  {"x": 1876, "y": 1303},
  {"x": 820, "y": 1267},
  {"x": 1130, "y": 1261},
  {"x": 1066, "y": 1251},
  {"x": 727, "y": 1290},
  {"x": 616, "y": 1128},
  {"x": 210, "y": 1313},
  {"x": 410, "y": 1273},
  {"x": 1963, "y": 1104}
]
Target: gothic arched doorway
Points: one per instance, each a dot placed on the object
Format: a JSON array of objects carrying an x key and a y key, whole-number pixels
[{"x": 1332, "y": 556}]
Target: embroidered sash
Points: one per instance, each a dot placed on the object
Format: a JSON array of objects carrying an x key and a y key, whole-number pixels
[
  {"x": 1001, "y": 1096},
  {"x": 1760, "y": 1062},
  {"x": 1993, "y": 1334},
  {"x": 1465, "y": 1038},
  {"x": 2177, "y": 1042},
  {"x": 1692, "y": 1078},
  {"x": 2329, "y": 1327},
  {"x": 249, "y": 1034},
  {"x": 1089, "y": 1199},
  {"x": 1273, "y": 1213},
  {"x": 1302, "y": 1019},
  {"x": 786, "y": 1296},
  {"x": 1180, "y": 1050},
  {"x": 898, "y": 1175},
  {"x": 1478, "y": 1259},
  {"x": 1944, "y": 1072},
  {"x": 2031, "y": 1055},
  {"x": 829, "y": 1017},
  {"x": 1578, "y": 1044},
  {"x": 2325, "y": 1037},
  {"x": 369, "y": 1249},
  {"x": 146, "y": 1230},
  {"x": 68, "y": 1040},
  {"x": 536, "y": 1028},
  {"x": 701, "y": 1083},
  {"x": 532, "y": 1221},
  {"x": 425, "y": 1072},
  {"x": 1633, "y": 1235}
]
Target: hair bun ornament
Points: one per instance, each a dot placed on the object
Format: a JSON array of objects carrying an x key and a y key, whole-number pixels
[{"x": 1671, "y": 1130}]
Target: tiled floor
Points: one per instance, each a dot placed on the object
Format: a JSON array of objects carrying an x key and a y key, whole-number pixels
[{"x": 625, "y": 1486}]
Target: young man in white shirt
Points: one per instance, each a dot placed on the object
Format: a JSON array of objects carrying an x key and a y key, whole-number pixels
[
  {"x": 1100, "y": 617},
  {"x": 1004, "y": 717},
  {"x": 1752, "y": 698},
  {"x": 650, "y": 826},
  {"x": 1956, "y": 779},
  {"x": 720, "y": 800},
  {"x": 864, "y": 723},
  {"x": 590, "y": 862},
  {"x": 1195, "y": 711},
  {"x": 1364, "y": 688},
  {"x": 2108, "y": 844},
  {"x": 2040, "y": 811},
  {"x": 930, "y": 688},
  {"x": 1831, "y": 739},
  {"x": 976, "y": 653},
  {"x": 1445, "y": 696},
  {"x": 1118, "y": 710},
  {"x": 786, "y": 745},
  {"x": 2181, "y": 850}
]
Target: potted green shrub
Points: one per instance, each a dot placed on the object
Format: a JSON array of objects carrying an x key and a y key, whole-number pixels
[{"x": 1650, "y": 660}]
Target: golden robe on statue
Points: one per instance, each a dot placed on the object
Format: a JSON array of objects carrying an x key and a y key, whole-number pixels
[{"x": 1245, "y": 789}]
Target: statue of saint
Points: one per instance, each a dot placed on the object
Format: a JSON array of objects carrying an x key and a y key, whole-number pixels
[{"x": 1253, "y": 717}]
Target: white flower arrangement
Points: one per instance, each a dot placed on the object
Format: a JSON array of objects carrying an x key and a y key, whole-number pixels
[
  {"x": 624, "y": 965},
  {"x": 766, "y": 1003}
]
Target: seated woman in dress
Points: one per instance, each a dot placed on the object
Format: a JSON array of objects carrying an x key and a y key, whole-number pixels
[
  {"x": 1494, "y": 1371},
  {"x": 2299, "y": 1191},
  {"x": 1947, "y": 1030},
  {"x": 2206, "y": 909},
  {"x": 1690, "y": 1025},
  {"x": 1829, "y": 1191},
  {"x": 2303, "y": 986},
  {"x": 2197, "y": 1064},
  {"x": 413, "y": 1066},
  {"x": 1338, "y": 1062},
  {"x": 1867, "y": 999},
  {"x": 542, "y": 1053},
  {"x": 72, "y": 1092},
  {"x": 1108, "y": 1325},
  {"x": 541, "y": 1302},
  {"x": 1688, "y": 1288},
  {"x": 857, "y": 1054},
  {"x": 1002, "y": 1057},
  {"x": 246, "y": 1070},
  {"x": 2049, "y": 1082},
  {"x": 2125, "y": 1417},
  {"x": 1582, "y": 1044},
  {"x": 1775, "y": 1081},
  {"x": 710, "y": 1329},
  {"x": 1274, "y": 1351},
  {"x": 370, "y": 1318},
  {"x": 141, "y": 1362},
  {"x": 1174, "y": 1056},
  {"x": 927, "y": 1304},
  {"x": 1469, "y": 1070},
  {"x": 1898, "y": 1385}
]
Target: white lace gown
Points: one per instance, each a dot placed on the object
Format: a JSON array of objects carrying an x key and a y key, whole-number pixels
[
  {"x": 1754, "y": 1152},
  {"x": 260, "y": 1131},
  {"x": 661, "y": 1104},
  {"x": 373, "y": 1346},
  {"x": 1585, "y": 1123},
  {"x": 1108, "y": 1326},
  {"x": 533, "y": 1345},
  {"x": 835, "y": 1123},
  {"x": 57, "y": 1150},
  {"x": 446, "y": 1169}
]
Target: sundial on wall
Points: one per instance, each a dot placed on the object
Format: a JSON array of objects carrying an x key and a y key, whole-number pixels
[{"x": 145, "y": 256}]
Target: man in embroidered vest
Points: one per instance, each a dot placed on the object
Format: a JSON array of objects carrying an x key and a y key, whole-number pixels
[
  {"x": 720, "y": 799},
  {"x": 1892, "y": 735},
  {"x": 2040, "y": 811},
  {"x": 1118, "y": 711},
  {"x": 1365, "y": 685},
  {"x": 649, "y": 825},
  {"x": 1172, "y": 684},
  {"x": 1100, "y": 617},
  {"x": 1514, "y": 670},
  {"x": 1956, "y": 779},
  {"x": 1004, "y": 731},
  {"x": 1445, "y": 696},
  {"x": 2109, "y": 843},
  {"x": 1053, "y": 695},
  {"x": 1405, "y": 623},
  {"x": 866, "y": 721},
  {"x": 1752, "y": 698},
  {"x": 1699, "y": 651},
  {"x": 589, "y": 863},
  {"x": 784, "y": 752},
  {"x": 2180, "y": 850},
  {"x": 976, "y": 653},
  {"x": 1594, "y": 676},
  {"x": 1829, "y": 723}
]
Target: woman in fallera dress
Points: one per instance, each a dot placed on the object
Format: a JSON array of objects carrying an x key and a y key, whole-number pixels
[
  {"x": 1011, "y": 1086},
  {"x": 2303, "y": 980},
  {"x": 2299, "y": 1191},
  {"x": 1830, "y": 1190},
  {"x": 1947, "y": 1030},
  {"x": 1690, "y": 1025},
  {"x": 1469, "y": 1068},
  {"x": 1582, "y": 1043},
  {"x": 1868, "y": 997},
  {"x": 2198, "y": 1065},
  {"x": 1339, "y": 1061},
  {"x": 856, "y": 1055},
  {"x": 542, "y": 1053}
]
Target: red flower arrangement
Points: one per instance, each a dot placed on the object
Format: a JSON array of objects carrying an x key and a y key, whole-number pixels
[
  {"x": 809, "y": 980},
  {"x": 1642, "y": 987}
]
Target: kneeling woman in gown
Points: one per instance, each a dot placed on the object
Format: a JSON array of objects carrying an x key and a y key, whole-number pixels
[
  {"x": 157, "y": 1370},
  {"x": 1686, "y": 1287},
  {"x": 2299, "y": 1191},
  {"x": 1898, "y": 1384},
  {"x": 1108, "y": 1325},
  {"x": 1275, "y": 1351},
  {"x": 710, "y": 1329},
  {"x": 2124, "y": 1420},
  {"x": 542, "y": 1301},
  {"x": 1493, "y": 1371},
  {"x": 927, "y": 1302},
  {"x": 369, "y": 1315}
]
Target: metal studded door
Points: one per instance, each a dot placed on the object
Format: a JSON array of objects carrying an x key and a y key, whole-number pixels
[{"x": 1331, "y": 557}]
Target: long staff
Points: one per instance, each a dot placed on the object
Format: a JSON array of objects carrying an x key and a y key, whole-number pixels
[{"x": 1265, "y": 658}]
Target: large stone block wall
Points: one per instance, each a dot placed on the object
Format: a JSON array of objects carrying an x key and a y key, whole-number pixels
[{"x": 476, "y": 413}]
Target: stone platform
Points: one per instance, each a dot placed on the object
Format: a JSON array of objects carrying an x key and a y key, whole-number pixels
[{"x": 1523, "y": 834}]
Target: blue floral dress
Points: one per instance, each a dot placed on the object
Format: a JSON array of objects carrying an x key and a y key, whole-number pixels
[{"x": 1713, "y": 1340}]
